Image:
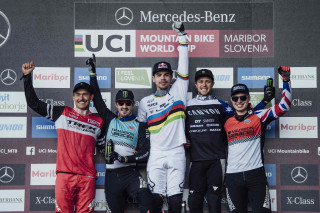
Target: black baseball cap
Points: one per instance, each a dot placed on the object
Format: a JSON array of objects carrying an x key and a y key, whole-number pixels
[
  {"x": 239, "y": 88},
  {"x": 124, "y": 94},
  {"x": 83, "y": 85},
  {"x": 204, "y": 73},
  {"x": 161, "y": 66}
]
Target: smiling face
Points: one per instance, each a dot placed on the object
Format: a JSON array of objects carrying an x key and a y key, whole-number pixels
[
  {"x": 240, "y": 102},
  {"x": 82, "y": 98},
  {"x": 162, "y": 80},
  {"x": 124, "y": 107},
  {"x": 204, "y": 85}
]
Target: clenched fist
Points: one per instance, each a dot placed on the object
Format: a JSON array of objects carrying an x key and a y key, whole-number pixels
[{"x": 27, "y": 67}]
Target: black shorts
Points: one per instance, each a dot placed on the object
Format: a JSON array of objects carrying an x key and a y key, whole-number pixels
[{"x": 250, "y": 185}]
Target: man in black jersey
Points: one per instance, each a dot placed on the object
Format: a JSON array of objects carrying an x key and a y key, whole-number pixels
[{"x": 204, "y": 130}]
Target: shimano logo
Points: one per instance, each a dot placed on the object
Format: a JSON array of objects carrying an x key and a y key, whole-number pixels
[
  {"x": 255, "y": 77},
  {"x": 40, "y": 127},
  {"x": 87, "y": 78}
]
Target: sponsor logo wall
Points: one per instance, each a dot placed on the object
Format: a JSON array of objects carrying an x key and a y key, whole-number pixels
[
  {"x": 223, "y": 76},
  {"x": 133, "y": 77},
  {"x": 236, "y": 41},
  {"x": 12, "y": 200},
  {"x": 300, "y": 200},
  {"x": 51, "y": 77},
  {"x": 43, "y": 174},
  {"x": 81, "y": 74},
  {"x": 298, "y": 127},
  {"x": 12, "y": 174},
  {"x": 42, "y": 200},
  {"x": 13, "y": 127},
  {"x": 43, "y": 128},
  {"x": 13, "y": 102}
]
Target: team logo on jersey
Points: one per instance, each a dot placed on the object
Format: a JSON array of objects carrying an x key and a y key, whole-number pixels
[{"x": 247, "y": 121}]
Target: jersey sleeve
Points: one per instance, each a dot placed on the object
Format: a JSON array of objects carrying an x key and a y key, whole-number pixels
[
  {"x": 227, "y": 109},
  {"x": 181, "y": 84},
  {"x": 278, "y": 110},
  {"x": 100, "y": 105},
  {"x": 142, "y": 112},
  {"x": 143, "y": 146},
  {"x": 46, "y": 110},
  {"x": 259, "y": 106}
]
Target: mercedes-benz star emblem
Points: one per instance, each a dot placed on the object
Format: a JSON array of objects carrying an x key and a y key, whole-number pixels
[
  {"x": 124, "y": 16},
  {"x": 5, "y": 28},
  {"x": 8, "y": 76},
  {"x": 6, "y": 174},
  {"x": 299, "y": 174}
]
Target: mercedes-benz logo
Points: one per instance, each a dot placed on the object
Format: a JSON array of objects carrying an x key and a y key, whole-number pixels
[
  {"x": 8, "y": 76},
  {"x": 124, "y": 16},
  {"x": 299, "y": 174},
  {"x": 6, "y": 174},
  {"x": 5, "y": 29}
]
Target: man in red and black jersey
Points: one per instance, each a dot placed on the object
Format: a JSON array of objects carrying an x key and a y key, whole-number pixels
[
  {"x": 78, "y": 130},
  {"x": 245, "y": 176}
]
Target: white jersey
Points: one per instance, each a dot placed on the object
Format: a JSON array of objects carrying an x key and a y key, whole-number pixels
[{"x": 165, "y": 115}]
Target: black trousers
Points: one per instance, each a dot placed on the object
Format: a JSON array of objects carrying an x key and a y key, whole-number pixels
[
  {"x": 123, "y": 181},
  {"x": 249, "y": 185},
  {"x": 206, "y": 179}
]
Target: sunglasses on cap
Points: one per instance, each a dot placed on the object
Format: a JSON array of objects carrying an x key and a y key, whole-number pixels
[
  {"x": 128, "y": 103},
  {"x": 236, "y": 98}
]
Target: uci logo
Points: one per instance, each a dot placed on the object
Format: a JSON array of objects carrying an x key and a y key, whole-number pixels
[{"x": 105, "y": 43}]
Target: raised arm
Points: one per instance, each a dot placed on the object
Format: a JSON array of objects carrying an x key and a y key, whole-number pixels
[
  {"x": 182, "y": 81},
  {"x": 278, "y": 110},
  {"x": 46, "y": 110},
  {"x": 100, "y": 105},
  {"x": 269, "y": 94}
]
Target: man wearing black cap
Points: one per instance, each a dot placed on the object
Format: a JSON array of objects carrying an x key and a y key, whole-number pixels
[
  {"x": 204, "y": 129},
  {"x": 131, "y": 146},
  {"x": 78, "y": 130},
  {"x": 164, "y": 113},
  {"x": 245, "y": 176}
]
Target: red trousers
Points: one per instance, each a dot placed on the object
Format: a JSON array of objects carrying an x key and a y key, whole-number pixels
[{"x": 74, "y": 192}]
